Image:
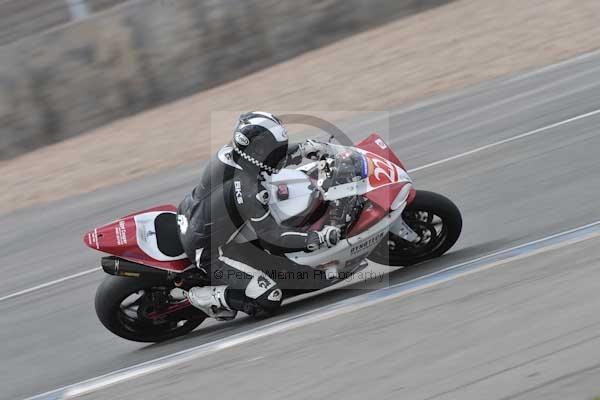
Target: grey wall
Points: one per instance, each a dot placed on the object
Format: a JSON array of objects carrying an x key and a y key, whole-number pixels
[
  {"x": 137, "y": 55},
  {"x": 21, "y": 18}
]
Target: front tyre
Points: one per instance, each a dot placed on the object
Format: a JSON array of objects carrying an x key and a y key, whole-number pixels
[
  {"x": 123, "y": 305},
  {"x": 437, "y": 221}
]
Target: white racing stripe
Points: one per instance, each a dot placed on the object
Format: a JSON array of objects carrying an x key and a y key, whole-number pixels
[
  {"x": 329, "y": 311},
  {"x": 422, "y": 167}
]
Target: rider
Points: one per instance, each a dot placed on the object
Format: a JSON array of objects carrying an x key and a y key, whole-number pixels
[{"x": 232, "y": 200}]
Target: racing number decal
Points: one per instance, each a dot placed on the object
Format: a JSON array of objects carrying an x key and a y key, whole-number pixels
[
  {"x": 382, "y": 173},
  {"x": 385, "y": 169}
]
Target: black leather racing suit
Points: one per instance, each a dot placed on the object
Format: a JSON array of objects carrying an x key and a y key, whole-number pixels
[{"x": 227, "y": 201}]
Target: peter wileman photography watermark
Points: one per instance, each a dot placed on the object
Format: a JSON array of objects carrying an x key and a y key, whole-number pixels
[
  {"x": 281, "y": 276},
  {"x": 299, "y": 199}
]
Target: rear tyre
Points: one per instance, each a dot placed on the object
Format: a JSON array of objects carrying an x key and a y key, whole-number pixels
[
  {"x": 122, "y": 305},
  {"x": 438, "y": 222}
]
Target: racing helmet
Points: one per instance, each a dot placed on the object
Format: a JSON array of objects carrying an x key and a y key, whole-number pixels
[{"x": 260, "y": 142}]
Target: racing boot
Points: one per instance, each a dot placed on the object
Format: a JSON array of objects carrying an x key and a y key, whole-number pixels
[{"x": 211, "y": 300}]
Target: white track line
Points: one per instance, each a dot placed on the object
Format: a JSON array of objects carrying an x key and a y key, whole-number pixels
[
  {"x": 341, "y": 307},
  {"x": 51, "y": 283},
  {"x": 422, "y": 167},
  {"x": 508, "y": 140}
]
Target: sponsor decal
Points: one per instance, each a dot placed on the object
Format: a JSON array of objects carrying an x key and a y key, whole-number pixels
[
  {"x": 145, "y": 235},
  {"x": 238, "y": 192},
  {"x": 130, "y": 274},
  {"x": 121, "y": 234},
  {"x": 367, "y": 244},
  {"x": 263, "y": 282},
  {"x": 241, "y": 139},
  {"x": 183, "y": 223},
  {"x": 93, "y": 239},
  {"x": 257, "y": 286},
  {"x": 379, "y": 142}
]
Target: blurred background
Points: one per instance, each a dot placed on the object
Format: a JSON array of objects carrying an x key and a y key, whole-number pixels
[
  {"x": 21, "y": 18},
  {"x": 115, "y": 70},
  {"x": 77, "y": 64}
]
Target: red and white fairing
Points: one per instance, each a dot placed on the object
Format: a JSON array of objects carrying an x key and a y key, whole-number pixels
[
  {"x": 384, "y": 183},
  {"x": 389, "y": 190},
  {"x": 133, "y": 238},
  {"x": 386, "y": 177},
  {"x": 386, "y": 173}
]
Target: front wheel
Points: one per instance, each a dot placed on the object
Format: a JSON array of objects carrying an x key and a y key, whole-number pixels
[
  {"x": 126, "y": 306},
  {"x": 436, "y": 220}
]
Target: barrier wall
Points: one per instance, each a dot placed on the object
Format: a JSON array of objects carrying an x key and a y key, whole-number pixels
[{"x": 137, "y": 55}]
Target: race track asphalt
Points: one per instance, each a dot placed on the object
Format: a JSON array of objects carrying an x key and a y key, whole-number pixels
[{"x": 529, "y": 328}]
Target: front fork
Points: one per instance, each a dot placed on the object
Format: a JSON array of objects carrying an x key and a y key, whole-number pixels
[{"x": 400, "y": 228}]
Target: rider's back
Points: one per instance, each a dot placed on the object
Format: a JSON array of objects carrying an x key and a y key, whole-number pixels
[{"x": 206, "y": 210}]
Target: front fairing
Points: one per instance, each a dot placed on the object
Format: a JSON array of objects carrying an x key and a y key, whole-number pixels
[
  {"x": 342, "y": 172},
  {"x": 349, "y": 171}
]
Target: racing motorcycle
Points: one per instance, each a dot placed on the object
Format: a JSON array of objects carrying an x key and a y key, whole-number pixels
[{"x": 363, "y": 189}]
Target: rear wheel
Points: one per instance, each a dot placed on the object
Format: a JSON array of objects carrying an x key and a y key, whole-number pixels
[
  {"x": 436, "y": 220},
  {"x": 125, "y": 306}
]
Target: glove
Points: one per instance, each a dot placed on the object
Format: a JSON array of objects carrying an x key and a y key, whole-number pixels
[{"x": 329, "y": 236}]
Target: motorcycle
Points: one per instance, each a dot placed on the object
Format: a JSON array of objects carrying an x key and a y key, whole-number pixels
[{"x": 364, "y": 190}]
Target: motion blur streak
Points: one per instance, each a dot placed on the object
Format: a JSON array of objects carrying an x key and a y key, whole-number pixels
[{"x": 553, "y": 242}]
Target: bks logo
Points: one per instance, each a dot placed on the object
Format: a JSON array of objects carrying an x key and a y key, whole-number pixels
[{"x": 238, "y": 192}]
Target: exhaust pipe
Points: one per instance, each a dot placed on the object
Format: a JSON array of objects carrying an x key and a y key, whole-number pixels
[{"x": 120, "y": 267}]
